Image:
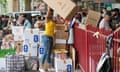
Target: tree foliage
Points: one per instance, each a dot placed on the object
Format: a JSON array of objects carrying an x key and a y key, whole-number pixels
[
  {"x": 3, "y": 2},
  {"x": 37, "y": 0}
]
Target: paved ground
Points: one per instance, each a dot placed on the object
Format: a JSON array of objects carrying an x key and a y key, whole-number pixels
[{"x": 38, "y": 71}]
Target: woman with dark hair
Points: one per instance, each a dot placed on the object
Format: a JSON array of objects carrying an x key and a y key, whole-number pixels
[
  {"x": 104, "y": 23},
  {"x": 47, "y": 40}
]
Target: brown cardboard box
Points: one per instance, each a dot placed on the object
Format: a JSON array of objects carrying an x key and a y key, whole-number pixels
[
  {"x": 60, "y": 46},
  {"x": 65, "y": 8},
  {"x": 93, "y": 18},
  {"x": 61, "y": 34},
  {"x": 60, "y": 27}
]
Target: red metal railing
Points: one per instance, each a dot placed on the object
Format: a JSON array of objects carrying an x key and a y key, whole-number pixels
[{"x": 90, "y": 49}]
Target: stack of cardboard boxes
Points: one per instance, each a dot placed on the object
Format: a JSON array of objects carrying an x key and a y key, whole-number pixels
[
  {"x": 62, "y": 62},
  {"x": 61, "y": 36}
]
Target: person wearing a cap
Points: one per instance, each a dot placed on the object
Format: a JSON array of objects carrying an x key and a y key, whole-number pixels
[{"x": 47, "y": 40}]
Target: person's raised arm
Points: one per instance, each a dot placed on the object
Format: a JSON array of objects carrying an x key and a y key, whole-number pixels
[{"x": 49, "y": 15}]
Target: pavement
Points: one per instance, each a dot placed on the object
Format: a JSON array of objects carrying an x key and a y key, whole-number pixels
[{"x": 38, "y": 71}]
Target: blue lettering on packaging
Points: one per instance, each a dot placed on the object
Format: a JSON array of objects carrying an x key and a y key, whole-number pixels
[
  {"x": 69, "y": 68},
  {"x": 25, "y": 48},
  {"x": 35, "y": 38}
]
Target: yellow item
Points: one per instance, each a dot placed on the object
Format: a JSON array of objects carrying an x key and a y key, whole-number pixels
[
  {"x": 49, "y": 28},
  {"x": 60, "y": 51}
]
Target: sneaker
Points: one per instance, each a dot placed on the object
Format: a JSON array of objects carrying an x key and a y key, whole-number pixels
[{"x": 41, "y": 70}]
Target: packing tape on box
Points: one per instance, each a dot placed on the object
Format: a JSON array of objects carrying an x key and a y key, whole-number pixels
[{"x": 60, "y": 51}]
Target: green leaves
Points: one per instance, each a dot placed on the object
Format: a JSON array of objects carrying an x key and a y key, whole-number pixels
[
  {"x": 37, "y": 0},
  {"x": 3, "y": 2}
]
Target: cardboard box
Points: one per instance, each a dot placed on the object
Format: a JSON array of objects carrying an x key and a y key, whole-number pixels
[
  {"x": 33, "y": 50},
  {"x": 17, "y": 30},
  {"x": 93, "y": 18},
  {"x": 63, "y": 65},
  {"x": 60, "y": 46},
  {"x": 30, "y": 49},
  {"x": 65, "y": 8},
  {"x": 31, "y": 35},
  {"x": 40, "y": 35},
  {"x": 60, "y": 41},
  {"x": 60, "y": 53},
  {"x": 61, "y": 34},
  {"x": 60, "y": 27},
  {"x": 18, "y": 37}
]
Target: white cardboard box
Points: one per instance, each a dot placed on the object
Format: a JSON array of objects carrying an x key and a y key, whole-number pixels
[
  {"x": 17, "y": 30},
  {"x": 2, "y": 64},
  {"x": 63, "y": 65},
  {"x": 18, "y": 37},
  {"x": 30, "y": 49},
  {"x": 31, "y": 35},
  {"x": 41, "y": 34}
]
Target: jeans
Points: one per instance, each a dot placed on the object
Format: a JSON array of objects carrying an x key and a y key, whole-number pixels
[{"x": 48, "y": 45}]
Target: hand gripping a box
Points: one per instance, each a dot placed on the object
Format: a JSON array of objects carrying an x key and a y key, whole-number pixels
[{"x": 65, "y": 8}]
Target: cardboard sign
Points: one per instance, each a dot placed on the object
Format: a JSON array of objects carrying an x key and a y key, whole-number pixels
[
  {"x": 65, "y": 8},
  {"x": 93, "y": 18}
]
